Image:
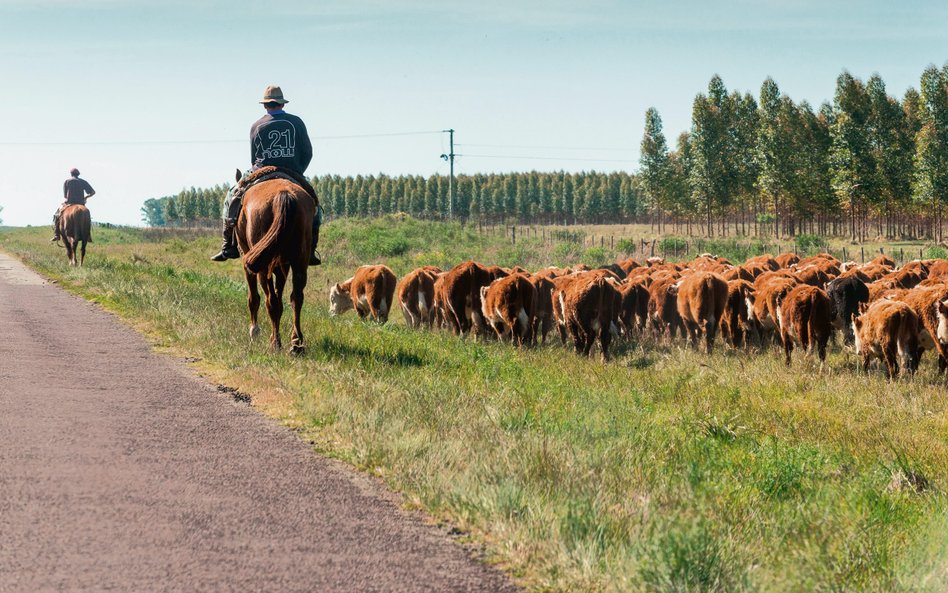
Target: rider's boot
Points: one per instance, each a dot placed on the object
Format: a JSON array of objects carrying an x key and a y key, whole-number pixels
[
  {"x": 314, "y": 259},
  {"x": 55, "y": 229},
  {"x": 228, "y": 249}
]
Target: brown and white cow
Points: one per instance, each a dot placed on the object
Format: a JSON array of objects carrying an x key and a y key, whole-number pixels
[
  {"x": 701, "y": 299},
  {"x": 509, "y": 307},
  {"x": 544, "y": 320},
  {"x": 588, "y": 305},
  {"x": 888, "y": 330},
  {"x": 663, "y": 315},
  {"x": 768, "y": 294},
  {"x": 737, "y": 320},
  {"x": 369, "y": 292},
  {"x": 926, "y": 303},
  {"x": 415, "y": 293},
  {"x": 460, "y": 293},
  {"x": 633, "y": 306},
  {"x": 805, "y": 318}
]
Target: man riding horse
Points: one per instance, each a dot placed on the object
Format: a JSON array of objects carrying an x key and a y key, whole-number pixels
[
  {"x": 75, "y": 191},
  {"x": 278, "y": 139}
]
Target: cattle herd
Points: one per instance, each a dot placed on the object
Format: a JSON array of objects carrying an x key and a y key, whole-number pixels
[{"x": 885, "y": 312}]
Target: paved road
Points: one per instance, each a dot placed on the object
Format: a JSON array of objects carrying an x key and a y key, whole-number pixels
[{"x": 121, "y": 471}]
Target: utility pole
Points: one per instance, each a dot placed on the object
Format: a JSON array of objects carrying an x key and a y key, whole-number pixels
[{"x": 450, "y": 158}]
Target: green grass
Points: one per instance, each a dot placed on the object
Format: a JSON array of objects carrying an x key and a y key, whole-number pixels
[{"x": 664, "y": 470}]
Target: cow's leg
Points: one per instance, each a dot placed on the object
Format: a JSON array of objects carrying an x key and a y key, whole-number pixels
[
  {"x": 274, "y": 310},
  {"x": 710, "y": 328},
  {"x": 806, "y": 340},
  {"x": 605, "y": 338},
  {"x": 942, "y": 363},
  {"x": 300, "y": 277},
  {"x": 891, "y": 355},
  {"x": 787, "y": 346},
  {"x": 253, "y": 302}
]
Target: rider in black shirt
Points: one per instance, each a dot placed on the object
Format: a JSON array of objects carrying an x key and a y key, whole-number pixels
[
  {"x": 75, "y": 191},
  {"x": 278, "y": 139}
]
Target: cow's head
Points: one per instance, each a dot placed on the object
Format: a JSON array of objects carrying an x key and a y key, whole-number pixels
[
  {"x": 857, "y": 339},
  {"x": 942, "y": 314},
  {"x": 340, "y": 300}
]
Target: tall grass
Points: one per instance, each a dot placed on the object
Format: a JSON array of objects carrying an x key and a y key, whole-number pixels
[{"x": 665, "y": 470}]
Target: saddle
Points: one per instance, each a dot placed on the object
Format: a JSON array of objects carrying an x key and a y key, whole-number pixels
[{"x": 269, "y": 173}]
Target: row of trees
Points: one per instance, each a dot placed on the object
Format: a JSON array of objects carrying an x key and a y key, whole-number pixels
[
  {"x": 559, "y": 197},
  {"x": 865, "y": 163},
  {"x": 189, "y": 207},
  {"x": 865, "y": 160}
]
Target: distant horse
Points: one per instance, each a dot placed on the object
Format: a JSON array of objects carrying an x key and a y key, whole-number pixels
[
  {"x": 75, "y": 227},
  {"x": 275, "y": 234}
]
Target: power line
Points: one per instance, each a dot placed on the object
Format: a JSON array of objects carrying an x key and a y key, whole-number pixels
[
  {"x": 242, "y": 141},
  {"x": 534, "y": 147},
  {"x": 541, "y": 158}
]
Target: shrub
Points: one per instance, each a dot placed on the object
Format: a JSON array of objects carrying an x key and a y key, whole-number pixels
[{"x": 808, "y": 243}]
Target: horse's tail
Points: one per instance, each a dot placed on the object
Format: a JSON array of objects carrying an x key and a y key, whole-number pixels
[
  {"x": 264, "y": 250},
  {"x": 85, "y": 226}
]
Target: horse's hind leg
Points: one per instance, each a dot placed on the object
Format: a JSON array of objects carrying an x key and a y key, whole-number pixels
[
  {"x": 82, "y": 254},
  {"x": 274, "y": 309},
  {"x": 253, "y": 302},
  {"x": 296, "y": 299},
  {"x": 67, "y": 243}
]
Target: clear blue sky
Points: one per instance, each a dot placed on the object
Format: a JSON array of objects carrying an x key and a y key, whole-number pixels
[{"x": 125, "y": 90}]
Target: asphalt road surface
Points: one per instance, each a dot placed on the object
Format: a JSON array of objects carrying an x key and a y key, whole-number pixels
[{"x": 122, "y": 471}]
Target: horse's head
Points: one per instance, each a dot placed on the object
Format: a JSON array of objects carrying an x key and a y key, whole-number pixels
[{"x": 340, "y": 300}]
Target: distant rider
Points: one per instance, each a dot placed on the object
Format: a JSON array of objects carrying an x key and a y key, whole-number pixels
[
  {"x": 75, "y": 191},
  {"x": 278, "y": 139}
]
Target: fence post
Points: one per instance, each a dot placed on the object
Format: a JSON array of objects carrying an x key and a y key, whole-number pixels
[
  {"x": 513, "y": 234},
  {"x": 862, "y": 253}
]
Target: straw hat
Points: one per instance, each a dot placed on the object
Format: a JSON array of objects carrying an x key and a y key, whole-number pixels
[{"x": 273, "y": 94}]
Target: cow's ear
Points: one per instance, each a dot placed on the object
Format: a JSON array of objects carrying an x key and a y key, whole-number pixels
[
  {"x": 338, "y": 287},
  {"x": 858, "y": 322},
  {"x": 943, "y": 307}
]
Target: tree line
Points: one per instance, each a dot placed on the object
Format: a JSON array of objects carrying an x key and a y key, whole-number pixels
[
  {"x": 865, "y": 163},
  {"x": 541, "y": 197}
]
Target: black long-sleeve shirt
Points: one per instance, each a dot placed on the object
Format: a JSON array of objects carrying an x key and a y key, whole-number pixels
[
  {"x": 280, "y": 139},
  {"x": 75, "y": 190}
]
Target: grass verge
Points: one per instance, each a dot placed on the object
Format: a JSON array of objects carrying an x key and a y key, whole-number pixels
[{"x": 665, "y": 470}]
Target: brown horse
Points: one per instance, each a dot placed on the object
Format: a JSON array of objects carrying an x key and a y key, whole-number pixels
[
  {"x": 75, "y": 227},
  {"x": 274, "y": 234}
]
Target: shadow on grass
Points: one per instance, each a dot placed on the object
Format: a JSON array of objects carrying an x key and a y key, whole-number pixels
[{"x": 333, "y": 349}]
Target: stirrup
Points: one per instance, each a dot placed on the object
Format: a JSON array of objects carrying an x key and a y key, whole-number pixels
[{"x": 314, "y": 259}]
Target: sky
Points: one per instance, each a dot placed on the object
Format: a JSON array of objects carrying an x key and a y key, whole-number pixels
[{"x": 148, "y": 97}]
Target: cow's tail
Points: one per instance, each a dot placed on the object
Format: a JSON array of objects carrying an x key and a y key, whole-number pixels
[{"x": 263, "y": 250}]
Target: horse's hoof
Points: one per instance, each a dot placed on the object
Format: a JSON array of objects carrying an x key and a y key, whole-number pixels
[
  {"x": 297, "y": 350},
  {"x": 254, "y": 331}
]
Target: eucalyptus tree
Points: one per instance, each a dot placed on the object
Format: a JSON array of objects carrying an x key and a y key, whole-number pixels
[
  {"x": 931, "y": 144},
  {"x": 653, "y": 162},
  {"x": 775, "y": 151},
  {"x": 713, "y": 172},
  {"x": 854, "y": 170}
]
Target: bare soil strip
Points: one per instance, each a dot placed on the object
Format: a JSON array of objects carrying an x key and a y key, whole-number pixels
[{"x": 121, "y": 471}]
